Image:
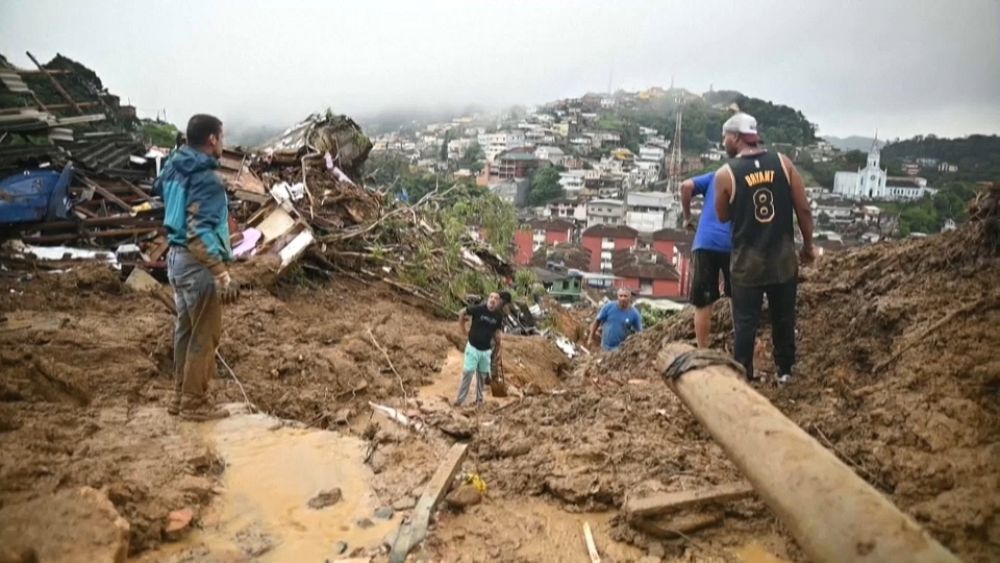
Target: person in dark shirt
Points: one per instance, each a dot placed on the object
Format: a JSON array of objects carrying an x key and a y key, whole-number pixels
[
  {"x": 761, "y": 192},
  {"x": 506, "y": 301},
  {"x": 485, "y": 330}
]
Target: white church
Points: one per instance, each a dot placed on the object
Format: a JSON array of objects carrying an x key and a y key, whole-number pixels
[{"x": 872, "y": 182}]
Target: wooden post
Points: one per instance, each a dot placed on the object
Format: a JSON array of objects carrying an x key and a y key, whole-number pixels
[
  {"x": 414, "y": 531},
  {"x": 55, "y": 83},
  {"x": 833, "y": 514}
]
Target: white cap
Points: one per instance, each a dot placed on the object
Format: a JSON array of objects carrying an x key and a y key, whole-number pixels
[{"x": 744, "y": 124}]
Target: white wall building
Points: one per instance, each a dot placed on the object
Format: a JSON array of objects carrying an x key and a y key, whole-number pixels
[
  {"x": 572, "y": 181},
  {"x": 572, "y": 209},
  {"x": 650, "y": 211},
  {"x": 873, "y": 182},
  {"x": 605, "y": 212},
  {"x": 555, "y": 155},
  {"x": 495, "y": 143}
]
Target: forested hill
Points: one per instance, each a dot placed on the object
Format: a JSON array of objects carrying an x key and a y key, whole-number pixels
[{"x": 977, "y": 156}]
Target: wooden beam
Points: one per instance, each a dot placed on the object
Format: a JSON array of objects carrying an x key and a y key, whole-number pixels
[
  {"x": 661, "y": 503},
  {"x": 112, "y": 198},
  {"x": 414, "y": 531},
  {"x": 55, "y": 83}
]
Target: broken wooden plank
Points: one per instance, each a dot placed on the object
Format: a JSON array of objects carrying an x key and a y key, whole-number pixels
[
  {"x": 414, "y": 531},
  {"x": 672, "y": 527},
  {"x": 106, "y": 194},
  {"x": 588, "y": 538},
  {"x": 661, "y": 503}
]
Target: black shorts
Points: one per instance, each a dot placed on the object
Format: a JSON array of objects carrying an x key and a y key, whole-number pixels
[{"x": 705, "y": 287}]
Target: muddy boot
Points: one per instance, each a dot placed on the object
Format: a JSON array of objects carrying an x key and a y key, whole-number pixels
[
  {"x": 200, "y": 410},
  {"x": 174, "y": 407}
]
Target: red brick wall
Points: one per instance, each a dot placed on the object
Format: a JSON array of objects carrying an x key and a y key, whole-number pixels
[
  {"x": 593, "y": 244},
  {"x": 667, "y": 288},
  {"x": 553, "y": 237},
  {"x": 523, "y": 239}
]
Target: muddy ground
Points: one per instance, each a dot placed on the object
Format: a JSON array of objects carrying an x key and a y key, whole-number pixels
[{"x": 899, "y": 374}]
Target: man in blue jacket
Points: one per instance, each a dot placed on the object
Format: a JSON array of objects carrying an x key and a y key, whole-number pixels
[
  {"x": 713, "y": 243},
  {"x": 197, "y": 225}
]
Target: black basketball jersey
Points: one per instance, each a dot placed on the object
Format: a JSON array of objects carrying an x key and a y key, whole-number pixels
[{"x": 761, "y": 213}]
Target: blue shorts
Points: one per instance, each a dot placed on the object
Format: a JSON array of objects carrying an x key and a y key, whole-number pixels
[{"x": 476, "y": 359}]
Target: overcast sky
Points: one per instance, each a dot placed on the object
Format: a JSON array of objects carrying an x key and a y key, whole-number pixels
[{"x": 903, "y": 67}]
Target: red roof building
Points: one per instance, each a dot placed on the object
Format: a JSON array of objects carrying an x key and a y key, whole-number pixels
[
  {"x": 603, "y": 240},
  {"x": 646, "y": 273},
  {"x": 675, "y": 245},
  {"x": 539, "y": 233}
]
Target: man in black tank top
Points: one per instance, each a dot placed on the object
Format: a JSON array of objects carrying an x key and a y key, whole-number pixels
[{"x": 759, "y": 191}]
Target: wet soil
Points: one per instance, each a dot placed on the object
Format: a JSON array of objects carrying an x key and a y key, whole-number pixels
[{"x": 898, "y": 374}]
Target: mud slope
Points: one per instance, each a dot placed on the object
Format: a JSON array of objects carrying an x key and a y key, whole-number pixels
[{"x": 899, "y": 372}]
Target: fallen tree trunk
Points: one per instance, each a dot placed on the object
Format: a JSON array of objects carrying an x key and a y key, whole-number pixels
[{"x": 833, "y": 514}]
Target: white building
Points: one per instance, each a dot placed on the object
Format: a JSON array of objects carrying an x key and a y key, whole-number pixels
[
  {"x": 652, "y": 152},
  {"x": 555, "y": 155},
  {"x": 495, "y": 143},
  {"x": 605, "y": 212},
  {"x": 572, "y": 181},
  {"x": 650, "y": 211},
  {"x": 873, "y": 182},
  {"x": 573, "y": 209}
]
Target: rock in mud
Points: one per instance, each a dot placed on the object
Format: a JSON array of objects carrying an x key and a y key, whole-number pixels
[
  {"x": 404, "y": 503},
  {"x": 515, "y": 449},
  {"x": 340, "y": 548},
  {"x": 365, "y": 523},
  {"x": 463, "y": 497},
  {"x": 385, "y": 513},
  {"x": 51, "y": 528},
  {"x": 326, "y": 498},
  {"x": 253, "y": 541},
  {"x": 178, "y": 522}
]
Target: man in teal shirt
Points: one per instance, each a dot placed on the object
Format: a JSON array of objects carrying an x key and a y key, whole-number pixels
[
  {"x": 617, "y": 321},
  {"x": 197, "y": 224}
]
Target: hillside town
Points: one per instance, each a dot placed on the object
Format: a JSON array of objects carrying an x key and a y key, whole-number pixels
[{"x": 618, "y": 209}]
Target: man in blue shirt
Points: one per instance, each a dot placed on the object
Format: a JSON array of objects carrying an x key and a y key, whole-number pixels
[
  {"x": 617, "y": 321},
  {"x": 712, "y": 244}
]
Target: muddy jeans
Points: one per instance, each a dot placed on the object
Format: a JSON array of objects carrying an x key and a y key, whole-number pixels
[{"x": 199, "y": 326}]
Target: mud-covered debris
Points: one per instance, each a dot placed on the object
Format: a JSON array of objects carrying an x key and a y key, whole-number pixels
[
  {"x": 464, "y": 496},
  {"x": 178, "y": 522},
  {"x": 384, "y": 512},
  {"x": 326, "y": 498}
]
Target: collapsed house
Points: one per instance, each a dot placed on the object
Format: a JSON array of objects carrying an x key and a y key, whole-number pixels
[{"x": 76, "y": 170}]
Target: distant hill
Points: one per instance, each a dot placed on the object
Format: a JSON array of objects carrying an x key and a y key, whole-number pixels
[
  {"x": 977, "y": 156},
  {"x": 852, "y": 143}
]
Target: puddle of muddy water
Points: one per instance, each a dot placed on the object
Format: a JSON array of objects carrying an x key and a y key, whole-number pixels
[{"x": 272, "y": 471}]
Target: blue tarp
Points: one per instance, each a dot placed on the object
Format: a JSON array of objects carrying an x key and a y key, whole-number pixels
[{"x": 35, "y": 195}]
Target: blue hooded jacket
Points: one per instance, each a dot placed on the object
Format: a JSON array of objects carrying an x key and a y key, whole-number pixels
[{"x": 197, "y": 209}]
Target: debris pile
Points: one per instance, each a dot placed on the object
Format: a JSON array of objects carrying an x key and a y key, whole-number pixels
[
  {"x": 74, "y": 167},
  {"x": 317, "y": 210}
]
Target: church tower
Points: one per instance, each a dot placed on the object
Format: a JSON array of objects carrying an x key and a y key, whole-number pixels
[{"x": 873, "y": 154}]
